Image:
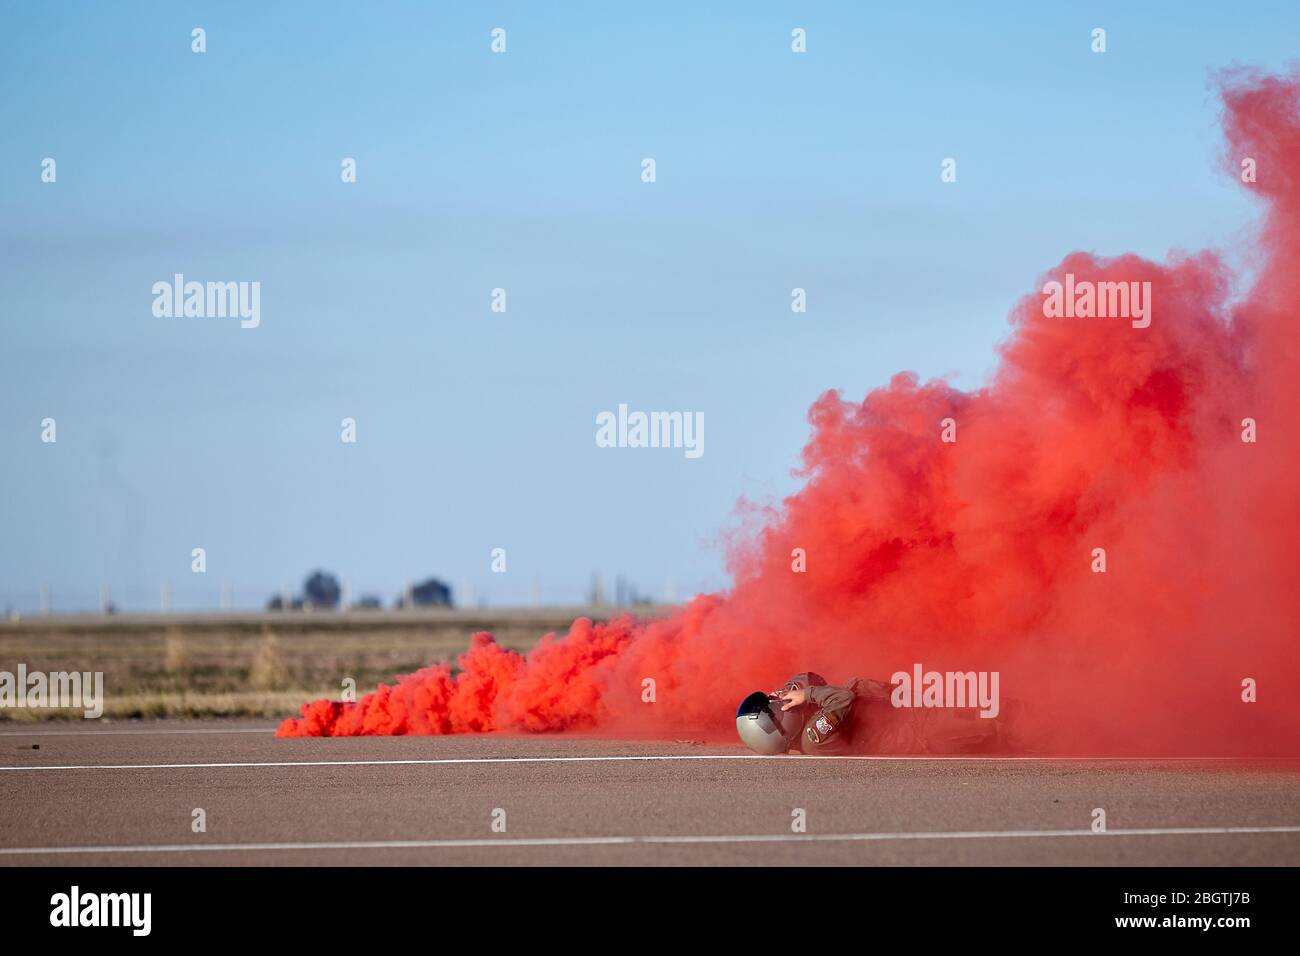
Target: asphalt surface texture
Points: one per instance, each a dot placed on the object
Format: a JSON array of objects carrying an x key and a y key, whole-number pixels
[{"x": 127, "y": 794}]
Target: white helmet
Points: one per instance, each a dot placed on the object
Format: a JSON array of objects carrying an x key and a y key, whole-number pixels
[{"x": 762, "y": 728}]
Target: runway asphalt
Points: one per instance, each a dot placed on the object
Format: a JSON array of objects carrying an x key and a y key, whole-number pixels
[{"x": 125, "y": 794}]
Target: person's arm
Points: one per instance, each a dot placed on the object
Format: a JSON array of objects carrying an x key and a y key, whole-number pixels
[{"x": 833, "y": 700}]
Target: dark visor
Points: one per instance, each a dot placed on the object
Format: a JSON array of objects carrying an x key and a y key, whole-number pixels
[{"x": 756, "y": 703}]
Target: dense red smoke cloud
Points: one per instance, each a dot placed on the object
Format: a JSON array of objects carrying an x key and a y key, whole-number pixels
[{"x": 978, "y": 554}]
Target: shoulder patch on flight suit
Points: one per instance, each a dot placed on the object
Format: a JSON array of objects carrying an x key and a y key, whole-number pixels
[{"x": 820, "y": 727}]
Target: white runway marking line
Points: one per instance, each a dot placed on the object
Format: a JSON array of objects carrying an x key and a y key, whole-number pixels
[
  {"x": 435, "y": 761},
  {"x": 649, "y": 840}
]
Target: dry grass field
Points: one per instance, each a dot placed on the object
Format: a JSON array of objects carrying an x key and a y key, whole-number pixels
[{"x": 257, "y": 664}]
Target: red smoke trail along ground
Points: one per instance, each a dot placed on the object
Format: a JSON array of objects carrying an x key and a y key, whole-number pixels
[{"x": 976, "y": 555}]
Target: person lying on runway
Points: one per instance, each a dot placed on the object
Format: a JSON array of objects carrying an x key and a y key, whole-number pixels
[{"x": 809, "y": 716}]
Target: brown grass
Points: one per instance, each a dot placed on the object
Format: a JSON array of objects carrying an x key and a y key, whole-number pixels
[
  {"x": 263, "y": 665},
  {"x": 269, "y": 669},
  {"x": 176, "y": 660}
]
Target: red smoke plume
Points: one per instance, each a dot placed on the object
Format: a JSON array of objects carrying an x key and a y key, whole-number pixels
[{"x": 978, "y": 554}]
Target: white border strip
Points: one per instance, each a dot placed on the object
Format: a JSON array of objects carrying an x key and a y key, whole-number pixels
[{"x": 648, "y": 840}]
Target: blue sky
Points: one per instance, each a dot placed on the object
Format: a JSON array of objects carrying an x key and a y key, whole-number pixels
[{"x": 522, "y": 171}]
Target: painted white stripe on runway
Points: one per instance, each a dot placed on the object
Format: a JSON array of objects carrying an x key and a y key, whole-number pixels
[
  {"x": 625, "y": 840},
  {"x": 434, "y": 761}
]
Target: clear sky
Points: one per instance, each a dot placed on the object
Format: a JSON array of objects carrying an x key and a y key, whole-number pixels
[{"x": 475, "y": 430}]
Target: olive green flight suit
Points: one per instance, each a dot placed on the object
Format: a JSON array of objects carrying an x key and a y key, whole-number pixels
[{"x": 831, "y": 717}]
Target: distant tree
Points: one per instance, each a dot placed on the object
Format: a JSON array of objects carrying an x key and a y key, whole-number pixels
[
  {"x": 321, "y": 590},
  {"x": 367, "y": 602},
  {"x": 430, "y": 593}
]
